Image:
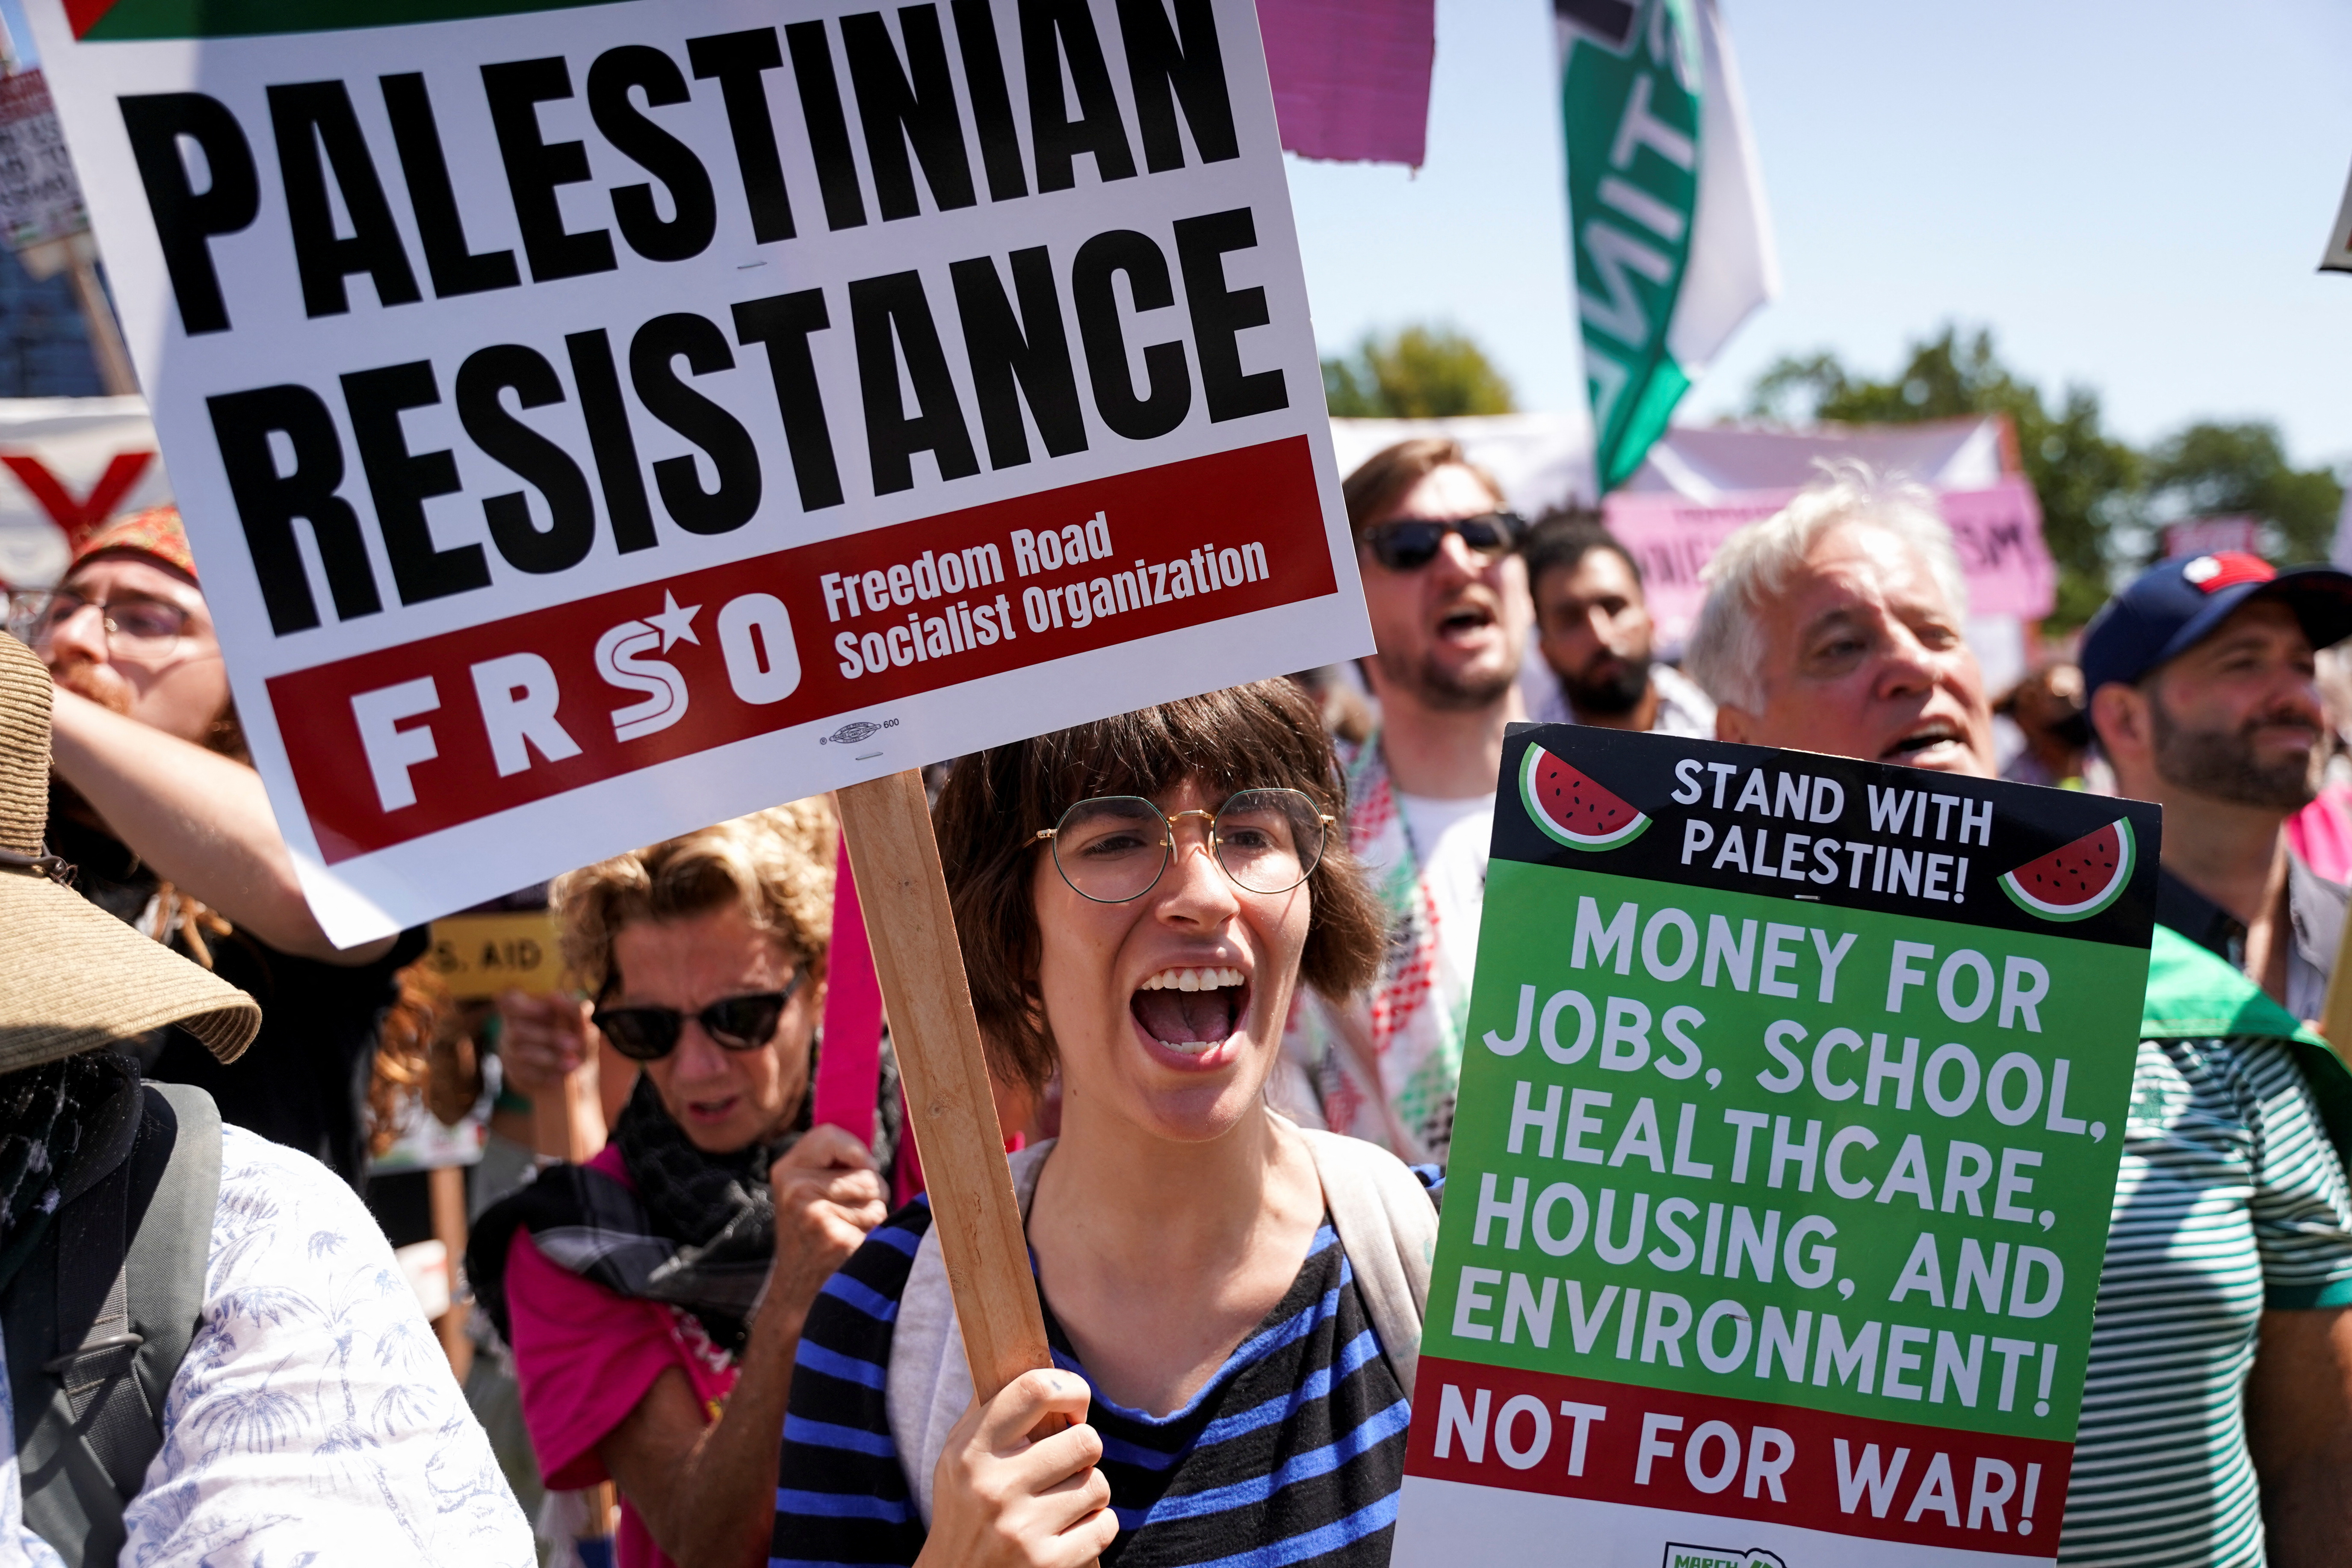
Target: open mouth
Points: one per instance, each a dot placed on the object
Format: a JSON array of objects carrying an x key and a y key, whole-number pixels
[
  {"x": 1464, "y": 620},
  {"x": 1924, "y": 742},
  {"x": 1191, "y": 1010},
  {"x": 712, "y": 1109}
]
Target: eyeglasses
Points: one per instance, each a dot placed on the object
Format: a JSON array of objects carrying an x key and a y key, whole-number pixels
[
  {"x": 1115, "y": 848},
  {"x": 745, "y": 1022},
  {"x": 1410, "y": 544},
  {"x": 137, "y": 626}
]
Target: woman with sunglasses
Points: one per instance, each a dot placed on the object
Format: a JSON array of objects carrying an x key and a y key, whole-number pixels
[
  {"x": 654, "y": 1297},
  {"x": 1234, "y": 1303}
]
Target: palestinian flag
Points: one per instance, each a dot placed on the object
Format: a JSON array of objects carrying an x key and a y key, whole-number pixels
[{"x": 1665, "y": 207}]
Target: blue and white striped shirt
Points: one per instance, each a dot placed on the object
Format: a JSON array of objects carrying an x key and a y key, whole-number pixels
[{"x": 1292, "y": 1454}]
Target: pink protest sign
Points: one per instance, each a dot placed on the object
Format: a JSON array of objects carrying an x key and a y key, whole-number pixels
[
  {"x": 2205, "y": 535},
  {"x": 850, "y": 1065},
  {"x": 1998, "y": 530},
  {"x": 1351, "y": 77}
]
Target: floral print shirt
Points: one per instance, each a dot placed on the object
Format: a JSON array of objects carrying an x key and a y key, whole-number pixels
[{"x": 314, "y": 1419}]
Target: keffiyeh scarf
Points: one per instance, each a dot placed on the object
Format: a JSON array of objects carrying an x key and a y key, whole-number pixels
[
  {"x": 46, "y": 1113},
  {"x": 1420, "y": 1003},
  {"x": 697, "y": 1232}
]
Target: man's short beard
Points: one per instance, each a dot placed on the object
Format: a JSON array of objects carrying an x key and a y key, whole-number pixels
[
  {"x": 2220, "y": 764},
  {"x": 1444, "y": 689},
  {"x": 224, "y": 735},
  {"x": 101, "y": 687},
  {"x": 1612, "y": 697}
]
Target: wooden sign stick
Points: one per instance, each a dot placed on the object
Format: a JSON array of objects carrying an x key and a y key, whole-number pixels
[{"x": 888, "y": 824}]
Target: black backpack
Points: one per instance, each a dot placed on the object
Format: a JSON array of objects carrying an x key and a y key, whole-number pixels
[{"x": 100, "y": 1310}]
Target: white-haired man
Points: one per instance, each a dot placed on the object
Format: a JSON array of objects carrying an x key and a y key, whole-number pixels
[
  {"x": 1835, "y": 624},
  {"x": 2217, "y": 1422}
]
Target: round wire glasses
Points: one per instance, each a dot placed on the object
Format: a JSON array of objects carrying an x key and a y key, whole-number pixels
[
  {"x": 1115, "y": 848},
  {"x": 136, "y": 625}
]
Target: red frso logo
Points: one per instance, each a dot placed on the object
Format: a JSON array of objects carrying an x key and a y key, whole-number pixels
[{"x": 393, "y": 744}]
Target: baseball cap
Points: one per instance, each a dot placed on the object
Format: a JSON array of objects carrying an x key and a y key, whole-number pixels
[{"x": 2175, "y": 605}]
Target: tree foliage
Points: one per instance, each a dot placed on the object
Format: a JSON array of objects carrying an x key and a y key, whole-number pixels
[
  {"x": 2103, "y": 504},
  {"x": 2212, "y": 468},
  {"x": 2089, "y": 482},
  {"x": 1420, "y": 373}
]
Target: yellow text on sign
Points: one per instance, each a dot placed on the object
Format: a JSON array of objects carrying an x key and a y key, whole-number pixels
[{"x": 478, "y": 956}]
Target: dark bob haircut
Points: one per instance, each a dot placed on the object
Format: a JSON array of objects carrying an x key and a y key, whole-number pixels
[{"x": 1266, "y": 735}]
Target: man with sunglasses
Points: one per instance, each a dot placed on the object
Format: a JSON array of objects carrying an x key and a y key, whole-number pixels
[
  {"x": 153, "y": 798},
  {"x": 1448, "y": 600}
]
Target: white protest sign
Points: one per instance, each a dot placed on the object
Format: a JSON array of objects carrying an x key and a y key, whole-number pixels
[
  {"x": 40, "y": 199},
  {"x": 597, "y": 420}
]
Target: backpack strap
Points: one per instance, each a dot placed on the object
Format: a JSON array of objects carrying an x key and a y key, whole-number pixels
[
  {"x": 102, "y": 1317},
  {"x": 1385, "y": 1222},
  {"x": 172, "y": 1243},
  {"x": 1388, "y": 1227},
  {"x": 928, "y": 1386}
]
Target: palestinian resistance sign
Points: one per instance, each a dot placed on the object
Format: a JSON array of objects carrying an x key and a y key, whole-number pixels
[
  {"x": 595, "y": 420},
  {"x": 1781, "y": 1169}
]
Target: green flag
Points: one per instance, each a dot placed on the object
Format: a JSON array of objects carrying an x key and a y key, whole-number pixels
[{"x": 1666, "y": 208}]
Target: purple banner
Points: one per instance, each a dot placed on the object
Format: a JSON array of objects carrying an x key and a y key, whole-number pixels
[{"x": 1998, "y": 530}]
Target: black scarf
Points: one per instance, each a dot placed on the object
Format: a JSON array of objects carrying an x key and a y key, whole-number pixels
[
  {"x": 716, "y": 1204},
  {"x": 46, "y": 1114},
  {"x": 697, "y": 1232}
]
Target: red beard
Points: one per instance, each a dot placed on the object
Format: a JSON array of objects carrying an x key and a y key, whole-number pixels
[{"x": 95, "y": 682}]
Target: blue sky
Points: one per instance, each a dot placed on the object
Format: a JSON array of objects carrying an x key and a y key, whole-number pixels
[{"x": 2133, "y": 196}]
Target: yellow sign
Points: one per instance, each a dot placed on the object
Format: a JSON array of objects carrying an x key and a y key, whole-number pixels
[{"x": 478, "y": 956}]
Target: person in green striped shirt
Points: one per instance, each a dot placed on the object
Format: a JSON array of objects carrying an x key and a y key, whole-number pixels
[{"x": 2217, "y": 1418}]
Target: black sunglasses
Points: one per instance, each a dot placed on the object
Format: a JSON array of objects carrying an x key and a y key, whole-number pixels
[
  {"x": 1410, "y": 544},
  {"x": 737, "y": 1023}
]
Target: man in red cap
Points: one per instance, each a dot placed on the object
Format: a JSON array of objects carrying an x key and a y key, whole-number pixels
[
  {"x": 154, "y": 799},
  {"x": 2206, "y": 700}
]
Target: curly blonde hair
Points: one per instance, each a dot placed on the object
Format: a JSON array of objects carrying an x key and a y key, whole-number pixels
[{"x": 776, "y": 865}]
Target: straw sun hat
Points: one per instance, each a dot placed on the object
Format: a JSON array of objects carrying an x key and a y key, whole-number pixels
[{"x": 73, "y": 977}]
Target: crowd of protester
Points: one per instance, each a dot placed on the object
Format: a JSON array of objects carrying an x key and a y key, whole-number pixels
[{"x": 1221, "y": 953}]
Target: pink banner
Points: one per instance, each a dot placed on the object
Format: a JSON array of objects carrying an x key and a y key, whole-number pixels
[
  {"x": 849, "y": 1066},
  {"x": 1351, "y": 77},
  {"x": 2204, "y": 535},
  {"x": 1998, "y": 530}
]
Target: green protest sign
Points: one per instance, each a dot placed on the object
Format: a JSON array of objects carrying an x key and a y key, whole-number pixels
[{"x": 1789, "y": 1127}]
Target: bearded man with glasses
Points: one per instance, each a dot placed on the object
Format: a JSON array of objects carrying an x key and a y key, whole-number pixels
[
  {"x": 153, "y": 798},
  {"x": 1448, "y": 599}
]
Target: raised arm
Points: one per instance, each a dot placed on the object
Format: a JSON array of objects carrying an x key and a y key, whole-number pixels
[
  {"x": 202, "y": 820},
  {"x": 707, "y": 1493}
]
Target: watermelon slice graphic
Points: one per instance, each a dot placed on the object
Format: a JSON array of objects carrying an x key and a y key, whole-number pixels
[
  {"x": 2076, "y": 882},
  {"x": 1573, "y": 810}
]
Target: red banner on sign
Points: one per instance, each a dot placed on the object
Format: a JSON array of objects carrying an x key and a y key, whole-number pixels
[
  {"x": 1741, "y": 1459},
  {"x": 391, "y": 745}
]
